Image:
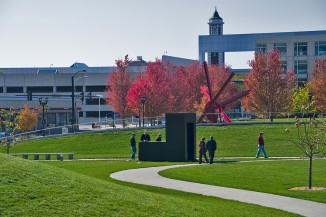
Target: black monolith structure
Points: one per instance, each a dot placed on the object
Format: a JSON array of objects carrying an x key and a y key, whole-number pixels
[{"x": 180, "y": 140}]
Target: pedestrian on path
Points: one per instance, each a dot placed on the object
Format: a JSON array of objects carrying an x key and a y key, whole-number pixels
[
  {"x": 202, "y": 150},
  {"x": 133, "y": 146},
  {"x": 261, "y": 145},
  {"x": 145, "y": 137},
  {"x": 211, "y": 147}
]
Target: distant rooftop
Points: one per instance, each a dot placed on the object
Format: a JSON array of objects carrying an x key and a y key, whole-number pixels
[{"x": 78, "y": 65}]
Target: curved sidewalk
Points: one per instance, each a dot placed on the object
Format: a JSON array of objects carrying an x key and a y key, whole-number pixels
[{"x": 149, "y": 176}]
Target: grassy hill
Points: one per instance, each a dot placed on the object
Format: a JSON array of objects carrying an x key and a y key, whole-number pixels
[
  {"x": 30, "y": 188},
  {"x": 233, "y": 140}
]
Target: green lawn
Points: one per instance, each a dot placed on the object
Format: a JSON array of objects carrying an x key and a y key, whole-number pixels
[
  {"x": 31, "y": 188},
  {"x": 269, "y": 176},
  {"x": 83, "y": 188},
  {"x": 233, "y": 140}
]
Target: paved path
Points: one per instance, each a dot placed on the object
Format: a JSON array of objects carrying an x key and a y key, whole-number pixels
[{"x": 149, "y": 176}]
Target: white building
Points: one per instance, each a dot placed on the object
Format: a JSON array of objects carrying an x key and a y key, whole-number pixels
[
  {"x": 298, "y": 49},
  {"x": 55, "y": 83}
]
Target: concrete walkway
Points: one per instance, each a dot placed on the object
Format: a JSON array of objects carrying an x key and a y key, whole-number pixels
[{"x": 149, "y": 176}]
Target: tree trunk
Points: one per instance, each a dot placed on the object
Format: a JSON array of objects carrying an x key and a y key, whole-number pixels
[{"x": 310, "y": 169}]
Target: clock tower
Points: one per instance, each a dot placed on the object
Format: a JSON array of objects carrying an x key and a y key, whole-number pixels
[{"x": 216, "y": 28}]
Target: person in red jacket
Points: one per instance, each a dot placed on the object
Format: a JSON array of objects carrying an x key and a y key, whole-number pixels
[{"x": 261, "y": 146}]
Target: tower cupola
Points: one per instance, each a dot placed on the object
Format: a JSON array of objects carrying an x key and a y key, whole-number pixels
[{"x": 216, "y": 24}]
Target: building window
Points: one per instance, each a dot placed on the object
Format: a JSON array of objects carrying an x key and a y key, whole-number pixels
[
  {"x": 1, "y": 89},
  {"x": 300, "y": 49},
  {"x": 95, "y": 88},
  {"x": 94, "y": 101},
  {"x": 15, "y": 89},
  {"x": 285, "y": 66},
  {"x": 61, "y": 89},
  {"x": 41, "y": 89},
  {"x": 94, "y": 114},
  {"x": 213, "y": 30},
  {"x": 281, "y": 47},
  {"x": 320, "y": 48},
  {"x": 261, "y": 48},
  {"x": 300, "y": 67}
]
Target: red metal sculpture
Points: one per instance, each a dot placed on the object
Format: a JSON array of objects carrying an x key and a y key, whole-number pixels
[{"x": 215, "y": 107}]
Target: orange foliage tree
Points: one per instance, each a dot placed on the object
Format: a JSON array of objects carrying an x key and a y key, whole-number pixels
[
  {"x": 118, "y": 85},
  {"x": 27, "y": 119},
  {"x": 270, "y": 88},
  {"x": 317, "y": 84}
]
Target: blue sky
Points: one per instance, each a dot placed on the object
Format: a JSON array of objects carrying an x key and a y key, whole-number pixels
[{"x": 38, "y": 33}]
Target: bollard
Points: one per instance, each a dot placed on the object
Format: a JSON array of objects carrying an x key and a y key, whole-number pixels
[{"x": 47, "y": 157}]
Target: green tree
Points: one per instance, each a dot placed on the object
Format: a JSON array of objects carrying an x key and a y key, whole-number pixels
[
  {"x": 302, "y": 100},
  {"x": 9, "y": 119}
]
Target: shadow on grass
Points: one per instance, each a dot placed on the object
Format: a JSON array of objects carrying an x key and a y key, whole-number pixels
[{"x": 226, "y": 161}]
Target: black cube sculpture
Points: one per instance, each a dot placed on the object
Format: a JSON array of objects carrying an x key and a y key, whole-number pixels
[{"x": 180, "y": 140}]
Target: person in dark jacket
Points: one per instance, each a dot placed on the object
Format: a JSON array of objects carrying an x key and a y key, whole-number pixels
[
  {"x": 145, "y": 137},
  {"x": 159, "y": 138},
  {"x": 133, "y": 146},
  {"x": 202, "y": 150},
  {"x": 211, "y": 147}
]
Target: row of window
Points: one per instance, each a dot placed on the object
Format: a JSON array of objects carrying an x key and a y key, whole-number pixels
[
  {"x": 300, "y": 48},
  {"x": 94, "y": 114},
  {"x": 49, "y": 89}
]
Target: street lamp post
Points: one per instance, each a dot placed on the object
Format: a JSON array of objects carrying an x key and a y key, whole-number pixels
[
  {"x": 73, "y": 116},
  {"x": 99, "y": 108},
  {"x": 143, "y": 100},
  {"x": 43, "y": 102}
]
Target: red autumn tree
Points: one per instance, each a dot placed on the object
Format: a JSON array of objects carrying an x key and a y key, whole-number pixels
[
  {"x": 218, "y": 75},
  {"x": 185, "y": 84},
  {"x": 270, "y": 88},
  {"x": 153, "y": 84},
  {"x": 118, "y": 85},
  {"x": 317, "y": 84}
]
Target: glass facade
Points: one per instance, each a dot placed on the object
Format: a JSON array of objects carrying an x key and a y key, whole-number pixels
[
  {"x": 40, "y": 89},
  {"x": 320, "y": 48},
  {"x": 261, "y": 48},
  {"x": 300, "y": 67},
  {"x": 15, "y": 89},
  {"x": 285, "y": 66},
  {"x": 300, "y": 49},
  {"x": 281, "y": 47}
]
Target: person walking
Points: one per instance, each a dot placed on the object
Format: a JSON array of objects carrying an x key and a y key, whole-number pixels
[
  {"x": 211, "y": 147},
  {"x": 202, "y": 150},
  {"x": 145, "y": 137},
  {"x": 133, "y": 146},
  {"x": 159, "y": 138},
  {"x": 261, "y": 145}
]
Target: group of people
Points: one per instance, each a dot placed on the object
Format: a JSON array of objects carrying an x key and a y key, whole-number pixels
[
  {"x": 203, "y": 147},
  {"x": 145, "y": 137}
]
